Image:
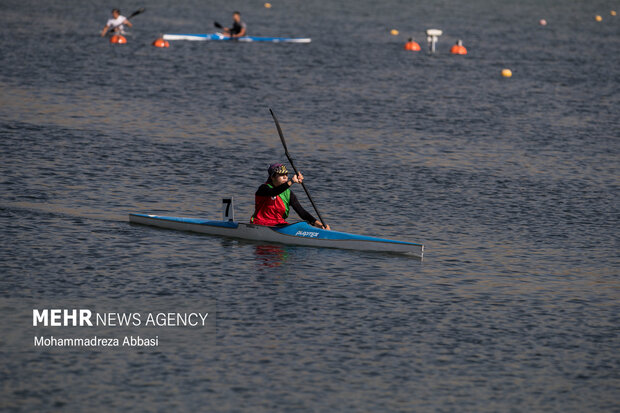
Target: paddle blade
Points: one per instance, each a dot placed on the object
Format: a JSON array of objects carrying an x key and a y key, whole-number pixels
[
  {"x": 135, "y": 13},
  {"x": 217, "y": 25}
]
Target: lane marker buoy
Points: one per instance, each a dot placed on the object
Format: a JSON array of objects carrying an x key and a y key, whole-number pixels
[
  {"x": 412, "y": 46},
  {"x": 118, "y": 39},
  {"x": 161, "y": 42},
  {"x": 458, "y": 48},
  {"x": 506, "y": 72}
]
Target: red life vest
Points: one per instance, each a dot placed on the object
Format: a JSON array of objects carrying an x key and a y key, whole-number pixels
[{"x": 271, "y": 210}]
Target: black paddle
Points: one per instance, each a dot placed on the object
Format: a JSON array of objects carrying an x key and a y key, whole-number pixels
[
  {"x": 135, "y": 13},
  {"x": 293, "y": 165},
  {"x": 219, "y": 26}
]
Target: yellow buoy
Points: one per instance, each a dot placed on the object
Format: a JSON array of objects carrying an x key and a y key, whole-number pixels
[
  {"x": 613, "y": 12},
  {"x": 598, "y": 18},
  {"x": 268, "y": 5},
  {"x": 394, "y": 32},
  {"x": 506, "y": 72}
]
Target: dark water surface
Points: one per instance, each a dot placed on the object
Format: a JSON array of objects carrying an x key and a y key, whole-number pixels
[{"x": 511, "y": 184}]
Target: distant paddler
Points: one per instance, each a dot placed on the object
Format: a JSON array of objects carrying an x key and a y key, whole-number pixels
[
  {"x": 116, "y": 24},
  {"x": 274, "y": 198},
  {"x": 238, "y": 28}
]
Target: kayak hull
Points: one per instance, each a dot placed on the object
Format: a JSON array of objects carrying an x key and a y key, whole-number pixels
[
  {"x": 246, "y": 39},
  {"x": 300, "y": 233}
]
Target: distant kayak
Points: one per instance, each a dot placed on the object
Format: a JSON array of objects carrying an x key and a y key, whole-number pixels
[{"x": 248, "y": 39}]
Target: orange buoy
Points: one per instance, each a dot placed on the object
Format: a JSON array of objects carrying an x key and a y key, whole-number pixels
[
  {"x": 411, "y": 45},
  {"x": 161, "y": 43},
  {"x": 118, "y": 39},
  {"x": 458, "y": 48}
]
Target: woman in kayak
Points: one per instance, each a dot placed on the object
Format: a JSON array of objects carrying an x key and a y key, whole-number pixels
[
  {"x": 274, "y": 197},
  {"x": 116, "y": 23}
]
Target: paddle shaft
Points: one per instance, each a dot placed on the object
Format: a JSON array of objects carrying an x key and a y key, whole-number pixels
[
  {"x": 135, "y": 13},
  {"x": 293, "y": 165}
]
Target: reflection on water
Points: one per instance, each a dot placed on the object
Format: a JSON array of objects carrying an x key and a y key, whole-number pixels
[{"x": 270, "y": 256}]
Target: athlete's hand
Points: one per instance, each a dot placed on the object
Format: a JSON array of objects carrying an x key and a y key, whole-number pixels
[
  {"x": 298, "y": 178},
  {"x": 319, "y": 224}
]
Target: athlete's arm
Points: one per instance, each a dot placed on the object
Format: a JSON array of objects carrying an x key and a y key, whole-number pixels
[{"x": 303, "y": 214}]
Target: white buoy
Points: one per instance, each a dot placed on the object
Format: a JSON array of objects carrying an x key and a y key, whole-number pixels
[{"x": 432, "y": 35}]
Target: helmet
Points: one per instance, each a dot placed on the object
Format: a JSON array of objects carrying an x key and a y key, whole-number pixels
[{"x": 277, "y": 169}]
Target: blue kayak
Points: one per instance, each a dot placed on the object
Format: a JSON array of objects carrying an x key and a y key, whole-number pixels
[
  {"x": 300, "y": 233},
  {"x": 220, "y": 36}
]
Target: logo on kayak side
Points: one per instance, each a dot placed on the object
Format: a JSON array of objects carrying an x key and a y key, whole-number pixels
[{"x": 307, "y": 234}]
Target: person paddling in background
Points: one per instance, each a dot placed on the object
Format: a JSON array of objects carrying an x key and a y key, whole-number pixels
[
  {"x": 274, "y": 198},
  {"x": 238, "y": 28},
  {"x": 116, "y": 23}
]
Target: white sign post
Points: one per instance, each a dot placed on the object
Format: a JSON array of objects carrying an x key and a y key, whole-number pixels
[{"x": 432, "y": 35}]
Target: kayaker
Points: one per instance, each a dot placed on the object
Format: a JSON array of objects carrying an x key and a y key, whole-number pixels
[
  {"x": 274, "y": 198},
  {"x": 116, "y": 23},
  {"x": 238, "y": 28}
]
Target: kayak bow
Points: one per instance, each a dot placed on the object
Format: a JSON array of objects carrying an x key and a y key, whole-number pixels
[
  {"x": 220, "y": 36},
  {"x": 300, "y": 233}
]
